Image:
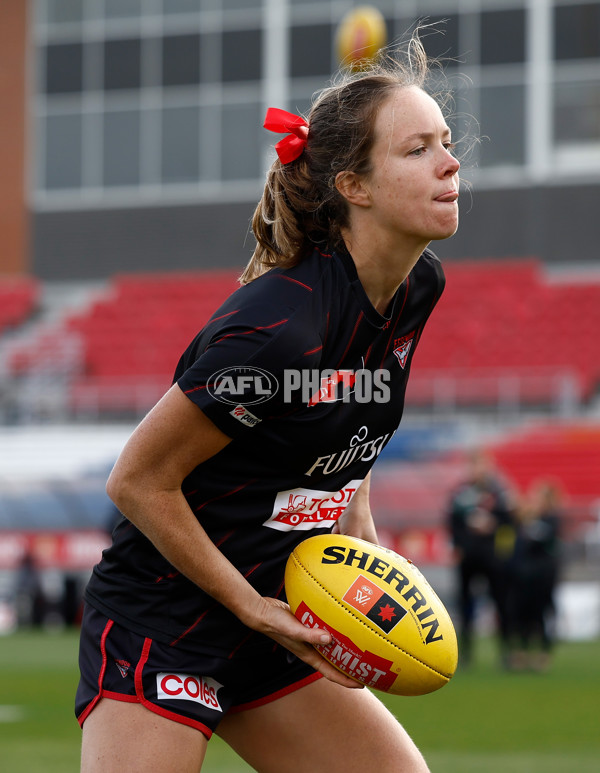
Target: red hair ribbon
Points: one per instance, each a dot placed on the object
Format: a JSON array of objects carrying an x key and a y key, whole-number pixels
[{"x": 280, "y": 121}]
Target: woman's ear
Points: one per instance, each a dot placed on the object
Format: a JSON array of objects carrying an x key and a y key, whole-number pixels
[{"x": 352, "y": 188}]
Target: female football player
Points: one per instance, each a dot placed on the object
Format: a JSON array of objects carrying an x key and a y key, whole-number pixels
[{"x": 278, "y": 410}]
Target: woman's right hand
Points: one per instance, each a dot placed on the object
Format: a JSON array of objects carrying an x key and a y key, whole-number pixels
[{"x": 275, "y": 620}]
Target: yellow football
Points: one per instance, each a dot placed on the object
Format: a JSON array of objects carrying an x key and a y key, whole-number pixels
[
  {"x": 390, "y": 631},
  {"x": 360, "y": 36}
]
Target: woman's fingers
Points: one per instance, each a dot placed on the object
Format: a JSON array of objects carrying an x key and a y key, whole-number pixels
[{"x": 288, "y": 631}]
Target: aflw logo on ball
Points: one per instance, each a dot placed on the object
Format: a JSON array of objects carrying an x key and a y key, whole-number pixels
[
  {"x": 419, "y": 606},
  {"x": 374, "y": 604}
]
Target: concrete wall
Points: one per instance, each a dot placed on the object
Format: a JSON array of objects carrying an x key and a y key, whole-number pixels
[
  {"x": 555, "y": 224},
  {"x": 94, "y": 244}
]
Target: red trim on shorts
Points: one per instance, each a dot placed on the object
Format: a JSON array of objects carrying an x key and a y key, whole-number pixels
[
  {"x": 276, "y": 695},
  {"x": 84, "y": 714},
  {"x": 119, "y": 696},
  {"x": 139, "y": 691},
  {"x": 139, "y": 697}
]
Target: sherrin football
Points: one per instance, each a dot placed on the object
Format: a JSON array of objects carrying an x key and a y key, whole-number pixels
[{"x": 389, "y": 629}]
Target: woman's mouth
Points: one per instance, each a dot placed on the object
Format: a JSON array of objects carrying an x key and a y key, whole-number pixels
[{"x": 448, "y": 197}]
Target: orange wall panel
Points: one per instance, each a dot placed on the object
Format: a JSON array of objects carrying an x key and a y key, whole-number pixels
[{"x": 14, "y": 257}]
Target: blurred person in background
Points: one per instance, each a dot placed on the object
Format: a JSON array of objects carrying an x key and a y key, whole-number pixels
[
  {"x": 30, "y": 600},
  {"x": 480, "y": 520},
  {"x": 534, "y": 575}
]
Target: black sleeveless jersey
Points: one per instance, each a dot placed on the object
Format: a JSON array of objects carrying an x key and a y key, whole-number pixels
[{"x": 308, "y": 380}]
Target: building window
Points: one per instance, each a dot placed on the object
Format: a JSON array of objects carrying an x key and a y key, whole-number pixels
[
  {"x": 240, "y": 153},
  {"x": 209, "y": 137},
  {"x": 236, "y": 5},
  {"x": 123, "y": 9},
  {"x": 180, "y": 150},
  {"x": 63, "y": 143},
  {"x": 241, "y": 55},
  {"x": 121, "y": 134},
  {"x": 577, "y": 31},
  {"x": 311, "y": 51},
  {"x": 64, "y": 68},
  {"x": 172, "y": 7},
  {"x": 502, "y": 117},
  {"x": 122, "y": 64},
  {"x": 442, "y": 43},
  {"x": 577, "y": 112},
  {"x": 181, "y": 60},
  {"x": 63, "y": 11},
  {"x": 502, "y": 36}
]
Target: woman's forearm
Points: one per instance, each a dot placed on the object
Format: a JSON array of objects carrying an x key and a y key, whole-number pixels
[{"x": 166, "y": 519}]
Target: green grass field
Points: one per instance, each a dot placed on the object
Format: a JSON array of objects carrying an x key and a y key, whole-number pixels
[{"x": 484, "y": 721}]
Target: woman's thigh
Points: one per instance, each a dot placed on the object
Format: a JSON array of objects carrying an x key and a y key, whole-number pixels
[
  {"x": 322, "y": 728},
  {"x": 119, "y": 737}
]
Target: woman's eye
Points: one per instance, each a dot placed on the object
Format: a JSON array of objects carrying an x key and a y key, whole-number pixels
[{"x": 417, "y": 152}]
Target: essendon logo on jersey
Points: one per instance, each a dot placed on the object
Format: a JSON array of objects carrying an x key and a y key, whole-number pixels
[
  {"x": 402, "y": 348},
  {"x": 304, "y": 508},
  {"x": 123, "y": 666},
  {"x": 374, "y": 604}
]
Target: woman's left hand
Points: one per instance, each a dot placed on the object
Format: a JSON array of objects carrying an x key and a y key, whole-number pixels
[{"x": 274, "y": 619}]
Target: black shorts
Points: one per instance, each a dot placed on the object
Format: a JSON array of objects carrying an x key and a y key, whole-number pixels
[{"x": 195, "y": 689}]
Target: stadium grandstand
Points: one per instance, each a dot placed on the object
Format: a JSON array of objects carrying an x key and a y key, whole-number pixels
[
  {"x": 506, "y": 334},
  {"x": 497, "y": 367}
]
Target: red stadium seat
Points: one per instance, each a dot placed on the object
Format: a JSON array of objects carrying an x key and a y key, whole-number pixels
[{"x": 19, "y": 297}]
